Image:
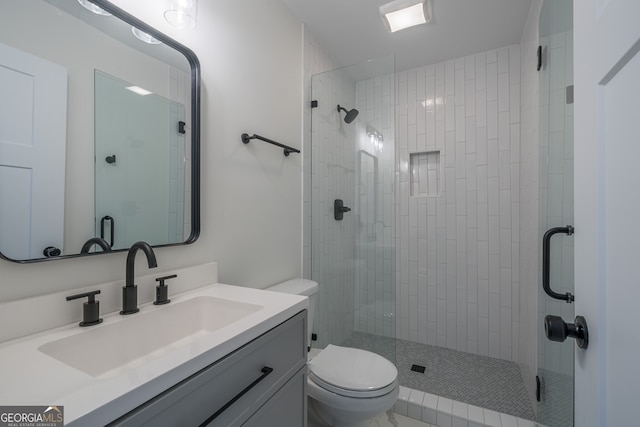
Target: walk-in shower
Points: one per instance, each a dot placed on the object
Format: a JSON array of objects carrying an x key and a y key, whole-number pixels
[
  {"x": 422, "y": 271},
  {"x": 426, "y": 267}
]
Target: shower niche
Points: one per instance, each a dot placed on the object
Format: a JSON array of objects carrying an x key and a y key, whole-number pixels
[{"x": 425, "y": 174}]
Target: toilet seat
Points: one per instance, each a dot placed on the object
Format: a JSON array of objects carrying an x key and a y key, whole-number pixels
[{"x": 353, "y": 372}]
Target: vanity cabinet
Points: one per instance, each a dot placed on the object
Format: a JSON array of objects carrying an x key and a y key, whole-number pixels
[{"x": 263, "y": 383}]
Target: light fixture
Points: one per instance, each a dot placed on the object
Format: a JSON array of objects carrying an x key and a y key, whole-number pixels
[
  {"x": 375, "y": 137},
  {"x": 401, "y": 14},
  {"x": 181, "y": 13},
  {"x": 141, "y": 35},
  {"x": 138, "y": 90},
  {"x": 93, "y": 8}
]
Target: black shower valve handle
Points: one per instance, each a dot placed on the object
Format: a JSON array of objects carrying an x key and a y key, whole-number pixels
[{"x": 339, "y": 209}]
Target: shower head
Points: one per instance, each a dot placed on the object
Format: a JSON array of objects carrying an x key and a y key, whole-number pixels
[{"x": 351, "y": 114}]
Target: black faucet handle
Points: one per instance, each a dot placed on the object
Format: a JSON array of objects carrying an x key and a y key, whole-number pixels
[
  {"x": 90, "y": 309},
  {"x": 162, "y": 290},
  {"x": 162, "y": 279}
]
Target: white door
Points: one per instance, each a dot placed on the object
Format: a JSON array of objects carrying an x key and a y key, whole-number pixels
[
  {"x": 33, "y": 123},
  {"x": 607, "y": 210}
]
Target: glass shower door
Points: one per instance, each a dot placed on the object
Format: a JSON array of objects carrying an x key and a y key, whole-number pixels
[
  {"x": 556, "y": 359},
  {"x": 353, "y": 167}
]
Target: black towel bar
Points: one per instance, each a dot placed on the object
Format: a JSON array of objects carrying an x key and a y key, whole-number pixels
[{"x": 246, "y": 138}]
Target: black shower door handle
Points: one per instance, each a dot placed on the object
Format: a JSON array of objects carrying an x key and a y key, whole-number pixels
[
  {"x": 546, "y": 261},
  {"x": 557, "y": 330},
  {"x": 111, "y": 226}
]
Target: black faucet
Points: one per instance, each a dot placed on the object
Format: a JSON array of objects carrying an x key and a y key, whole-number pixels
[
  {"x": 130, "y": 290},
  {"x": 95, "y": 241}
]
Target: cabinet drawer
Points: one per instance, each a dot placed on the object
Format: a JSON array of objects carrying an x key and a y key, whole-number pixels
[
  {"x": 287, "y": 408},
  {"x": 213, "y": 390}
]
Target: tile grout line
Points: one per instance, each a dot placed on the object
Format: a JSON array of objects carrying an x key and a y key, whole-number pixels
[{"x": 443, "y": 412}]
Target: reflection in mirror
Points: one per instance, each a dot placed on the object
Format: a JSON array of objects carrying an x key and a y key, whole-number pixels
[
  {"x": 79, "y": 159},
  {"x": 139, "y": 171}
]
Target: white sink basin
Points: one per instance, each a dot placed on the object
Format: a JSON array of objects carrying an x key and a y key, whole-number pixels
[
  {"x": 125, "y": 343},
  {"x": 118, "y": 365}
]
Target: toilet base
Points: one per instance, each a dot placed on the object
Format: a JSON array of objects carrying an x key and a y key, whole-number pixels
[
  {"x": 345, "y": 411},
  {"x": 314, "y": 420},
  {"x": 386, "y": 419},
  {"x": 319, "y": 416}
]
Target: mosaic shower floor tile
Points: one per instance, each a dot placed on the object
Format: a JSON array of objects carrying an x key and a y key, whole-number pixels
[{"x": 482, "y": 381}]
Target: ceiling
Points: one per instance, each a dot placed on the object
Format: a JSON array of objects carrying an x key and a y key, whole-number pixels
[{"x": 352, "y": 30}]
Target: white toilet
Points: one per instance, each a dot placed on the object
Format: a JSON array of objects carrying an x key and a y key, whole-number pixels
[{"x": 347, "y": 386}]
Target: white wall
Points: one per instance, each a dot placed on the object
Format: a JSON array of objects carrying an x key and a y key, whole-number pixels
[
  {"x": 250, "y": 53},
  {"x": 459, "y": 251},
  {"x": 529, "y": 198}
]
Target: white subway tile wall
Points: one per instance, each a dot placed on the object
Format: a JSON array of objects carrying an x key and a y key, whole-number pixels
[{"x": 458, "y": 273}]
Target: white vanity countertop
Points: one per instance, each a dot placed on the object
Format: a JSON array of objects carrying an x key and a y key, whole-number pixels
[{"x": 31, "y": 377}]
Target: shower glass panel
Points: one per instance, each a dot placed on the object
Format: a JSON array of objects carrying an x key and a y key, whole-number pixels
[
  {"x": 555, "y": 360},
  {"x": 353, "y": 259}
]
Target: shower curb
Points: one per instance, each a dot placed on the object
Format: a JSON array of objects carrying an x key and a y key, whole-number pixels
[{"x": 443, "y": 412}]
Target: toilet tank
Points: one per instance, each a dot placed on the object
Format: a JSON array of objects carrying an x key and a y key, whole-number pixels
[{"x": 303, "y": 287}]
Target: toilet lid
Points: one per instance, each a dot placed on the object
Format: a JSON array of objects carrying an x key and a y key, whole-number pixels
[{"x": 353, "y": 372}]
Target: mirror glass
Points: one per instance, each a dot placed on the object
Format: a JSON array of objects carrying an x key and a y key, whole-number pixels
[{"x": 99, "y": 132}]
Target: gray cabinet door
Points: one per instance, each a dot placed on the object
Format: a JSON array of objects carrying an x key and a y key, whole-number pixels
[{"x": 229, "y": 391}]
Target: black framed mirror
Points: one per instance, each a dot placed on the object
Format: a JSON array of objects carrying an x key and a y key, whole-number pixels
[{"x": 100, "y": 137}]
